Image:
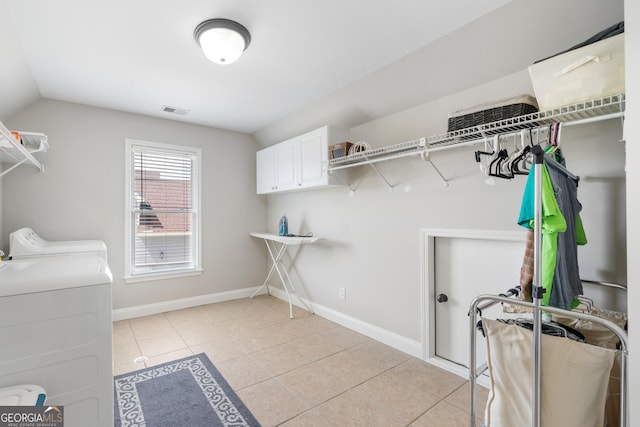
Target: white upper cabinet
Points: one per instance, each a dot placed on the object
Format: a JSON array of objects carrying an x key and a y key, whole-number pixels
[
  {"x": 266, "y": 170},
  {"x": 298, "y": 163},
  {"x": 313, "y": 159},
  {"x": 287, "y": 165}
]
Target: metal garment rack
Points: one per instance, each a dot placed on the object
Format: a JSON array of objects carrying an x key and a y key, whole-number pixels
[
  {"x": 605, "y": 108},
  {"x": 537, "y": 289},
  {"x": 490, "y": 300},
  {"x": 537, "y": 294}
]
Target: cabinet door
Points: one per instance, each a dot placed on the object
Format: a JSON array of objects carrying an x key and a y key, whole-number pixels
[
  {"x": 298, "y": 163},
  {"x": 286, "y": 154},
  {"x": 313, "y": 157},
  {"x": 266, "y": 171}
]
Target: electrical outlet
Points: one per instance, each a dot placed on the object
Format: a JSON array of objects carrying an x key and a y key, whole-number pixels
[{"x": 342, "y": 293}]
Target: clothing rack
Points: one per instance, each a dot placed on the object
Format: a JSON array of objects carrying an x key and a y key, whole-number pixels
[
  {"x": 490, "y": 300},
  {"x": 537, "y": 293},
  {"x": 536, "y": 289}
]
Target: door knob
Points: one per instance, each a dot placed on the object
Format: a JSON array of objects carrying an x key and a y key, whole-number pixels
[{"x": 442, "y": 298}]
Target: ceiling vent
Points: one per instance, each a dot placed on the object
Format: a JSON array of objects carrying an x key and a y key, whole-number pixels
[{"x": 174, "y": 110}]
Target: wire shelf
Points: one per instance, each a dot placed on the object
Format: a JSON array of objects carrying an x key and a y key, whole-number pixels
[
  {"x": 582, "y": 110},
  {"x": 16, "y": 153},
  {"x": 603, "y": 108},
  {"x": 401, "y": 149}
]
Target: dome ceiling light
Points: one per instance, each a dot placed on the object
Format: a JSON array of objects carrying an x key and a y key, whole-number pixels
[{"x": 222, "y": 40}]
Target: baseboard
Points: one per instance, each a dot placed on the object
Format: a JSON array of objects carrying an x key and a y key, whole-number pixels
[
  {"x": 461, "y": 371},
  {"x": 404, "y": 344},
  {"x": 179, "y": 304}
]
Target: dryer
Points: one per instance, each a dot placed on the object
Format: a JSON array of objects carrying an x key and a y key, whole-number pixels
[{"x": 56, "y": 331}]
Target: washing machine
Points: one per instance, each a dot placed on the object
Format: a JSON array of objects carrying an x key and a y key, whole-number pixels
[
  {"x": 25, "y": 243},
  {"x": 56, "y": 331}
]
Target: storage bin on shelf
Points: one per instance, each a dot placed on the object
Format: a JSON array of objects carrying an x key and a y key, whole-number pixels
[
  {"x": 338, "y": 150},
  {"x": 493, "y": 112},
  {"x": 592, "y": 71}
]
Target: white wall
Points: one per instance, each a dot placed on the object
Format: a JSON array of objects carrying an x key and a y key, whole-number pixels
[
  {"x": 372, "y": 240},
  {"x": 632, "y": 135},
  {"x": 372, "y": 245},
  {"x": 80, "y": 194},
  {"x": 17, "y": 86}
]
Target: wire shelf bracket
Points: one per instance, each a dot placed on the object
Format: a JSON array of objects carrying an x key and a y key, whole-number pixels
[{"x": 426, "y": 156}]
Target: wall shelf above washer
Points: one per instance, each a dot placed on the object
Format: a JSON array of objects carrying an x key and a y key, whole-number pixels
[{"x": 15, "y": 153}]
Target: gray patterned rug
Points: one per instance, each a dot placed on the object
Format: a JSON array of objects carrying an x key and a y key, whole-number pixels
[{"x": 186, "y": 392}]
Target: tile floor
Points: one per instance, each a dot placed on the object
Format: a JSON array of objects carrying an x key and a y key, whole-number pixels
[{"x": 305, "y": 371}]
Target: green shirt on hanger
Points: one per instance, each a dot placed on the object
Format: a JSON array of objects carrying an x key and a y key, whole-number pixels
[{"x": 553, "y": 222}]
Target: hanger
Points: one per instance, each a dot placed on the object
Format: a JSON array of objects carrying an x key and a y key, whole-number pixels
[
  {"x": 495, "y": 163},
  {"x": 484, "y": 166},
  {"x": 552, "y": 328},
  {"x": 519, "y": 161},
  {"x": 588, "y": 303},
  {"x": 507, "y": 165},
  {"x": 495, "y": 168}
]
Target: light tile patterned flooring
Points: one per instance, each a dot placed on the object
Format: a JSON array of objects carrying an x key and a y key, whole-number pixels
[{"x": 305, "y": 371}]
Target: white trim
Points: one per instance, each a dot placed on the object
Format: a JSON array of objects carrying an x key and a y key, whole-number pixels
[
  {"x": 163, "y": 275},
  {"x": 197, "y": 200},
  {"x": 514, "y": 236},
  {"x": 403, "y": 344},
  {"x": 179, "y": 304},
  {"x": 427, "y": 288},
  {"x": 392, "y": 339}
]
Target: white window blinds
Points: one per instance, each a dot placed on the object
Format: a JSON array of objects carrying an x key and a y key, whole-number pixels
[{"x": 163, "y": 209}]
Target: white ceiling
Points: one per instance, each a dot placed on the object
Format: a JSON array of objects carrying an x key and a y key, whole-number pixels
[{"x": 138, "y": 55}]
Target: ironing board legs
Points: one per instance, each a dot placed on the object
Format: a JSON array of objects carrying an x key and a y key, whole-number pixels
[{"x": 277, "y": 253}]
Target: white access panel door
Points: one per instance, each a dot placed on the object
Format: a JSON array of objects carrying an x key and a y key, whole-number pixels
[{"x": 464, "y": 266}]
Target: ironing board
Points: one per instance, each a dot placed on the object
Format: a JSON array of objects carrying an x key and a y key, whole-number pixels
[{"x": 277, "y": 247}]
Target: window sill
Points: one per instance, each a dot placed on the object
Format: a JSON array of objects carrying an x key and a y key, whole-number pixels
[{"x": 163, "y": 275}]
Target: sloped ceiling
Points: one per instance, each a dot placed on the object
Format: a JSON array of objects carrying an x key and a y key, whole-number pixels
[{"x": 137, "y": 56}]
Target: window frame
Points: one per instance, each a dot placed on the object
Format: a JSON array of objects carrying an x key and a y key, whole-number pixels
[{"x": 129, "y": 231}]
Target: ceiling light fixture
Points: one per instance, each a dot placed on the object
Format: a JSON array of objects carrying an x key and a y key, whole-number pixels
[{"x": 223, "y": 41}]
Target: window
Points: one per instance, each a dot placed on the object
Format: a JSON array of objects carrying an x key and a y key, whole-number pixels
[{"x": 162, "y": 210}]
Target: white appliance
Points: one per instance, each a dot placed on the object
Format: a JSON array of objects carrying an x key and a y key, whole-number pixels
[
  {"x": 55, "y": 331},
  {"x": 25, "y": 243},
  {"x": 22, "y": 395}
]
